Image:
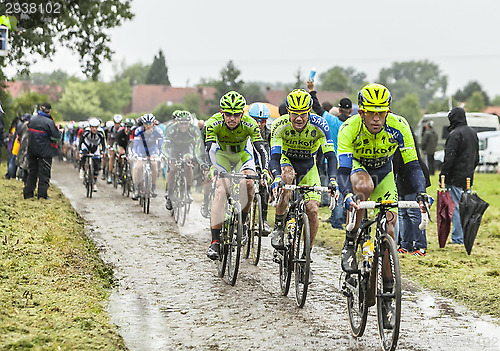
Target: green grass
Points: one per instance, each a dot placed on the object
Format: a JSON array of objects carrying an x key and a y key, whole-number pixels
[
  {"x": 53, "y": 286},
  {"x": 472, "y": 280}
]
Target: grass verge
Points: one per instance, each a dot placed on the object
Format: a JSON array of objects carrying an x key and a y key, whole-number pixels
[
  {"x": 53, "y": 285},
  {"x": 472, "y": 280}
]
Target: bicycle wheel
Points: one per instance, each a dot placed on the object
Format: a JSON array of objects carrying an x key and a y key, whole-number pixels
[
  {"x": 255, "y": 230},
  {"x": 222, "y": 261},
  {"x": 182, "y": 202},
  {"x": 115, "y": 172},
  {"x": 90, "y": 175},
  {"x": 355, "y": 288},
  {"x": 147, "y": 193},
  {"x": 146, "y": 203},
  {"x": 234, "y": 245},
  {"x": 302, "y": 259},
  {"x": 124, "y": 177},
  {"x": 285, "y": 258},
  {"x": 388, "y": 297}
]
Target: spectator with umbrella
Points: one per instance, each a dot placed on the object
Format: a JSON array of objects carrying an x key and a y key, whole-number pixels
[
  {"x": 461, "y": 156},
  {"x": 445, "y": 206},
  {"x": 472, "y": 208}
]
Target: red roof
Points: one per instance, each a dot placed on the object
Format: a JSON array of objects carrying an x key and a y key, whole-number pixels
[
  {"x": 20, "y": 87},
  {"x": 145, "y": 98},
  {"x": 492, "y": 109}
]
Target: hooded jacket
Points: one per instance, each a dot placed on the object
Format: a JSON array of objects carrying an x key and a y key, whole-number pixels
[
  {"x": 42, "y": 136},
  {"x": 461, "y": 154}
]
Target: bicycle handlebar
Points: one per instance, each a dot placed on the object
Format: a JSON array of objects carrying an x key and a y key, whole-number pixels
[
  {"x": 399, "y": 204},
  {"x": 324, "y": 189}
]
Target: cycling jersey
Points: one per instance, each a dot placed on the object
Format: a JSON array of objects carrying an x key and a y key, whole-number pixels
[
  {"x": 233, "y": 147},
  {"x": 111, "y": 135},
  {"x": 148, "y": 143},
  {"x": 181, "y": 143},
  {"x": 91, "y": 142},
  {"x": 355, "y": 142}
]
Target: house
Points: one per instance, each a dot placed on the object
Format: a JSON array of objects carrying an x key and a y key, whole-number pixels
[
  {"x": 146, "y": 97},
  {"x": 20, "y": 87}
]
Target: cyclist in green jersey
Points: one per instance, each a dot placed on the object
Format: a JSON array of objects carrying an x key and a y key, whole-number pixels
[
  {"x": 229, "y": 138},
  {"x": 295, "y": 140},
  {"x": 366, "y": 144}
]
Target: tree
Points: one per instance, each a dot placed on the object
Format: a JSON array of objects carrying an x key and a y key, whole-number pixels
[
  {"x": 158, "y": 72},
  {"x": 439, "y": 105},
  {"x": 342, "y": 79},
  {"x": 476, "y": 102},
  {"x": 58, "y": 77},
  {"x": 77, "y": 24},
  {"x": 418, "y": 77},
  {"x": 80, "y": 101},
  {"x": 229, "y": 80},
  {"x": 113, "y": 97},
  {"x": 495, "y": 101},
  {"x": 27, "y": 102},
  {"x": 253, "y": 93},
  {"x": 467, "y": 92},
  {"x": 409, "y": 108},
  {"x": 135, "y": 74}
]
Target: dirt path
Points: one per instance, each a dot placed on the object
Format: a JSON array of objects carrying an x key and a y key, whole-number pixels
[{"x": 170, "y": 298}]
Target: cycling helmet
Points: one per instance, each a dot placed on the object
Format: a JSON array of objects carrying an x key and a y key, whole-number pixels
[
  {"x": 232, "y": 102},
  {"x": 110, "y": 124},
  {"x": 374, "y": 97},
  {"x": 298, "y": 100},
  {"x": 83, "y": 124},
  {"x": 118, "y": 118},
  {"x": 94, "y": 122},
  {"x": 259, "y": 110},
  {"x": 182, "y": 116},
  {"x": 148, "y": 118},
  {"x": 129, "y": 122}
]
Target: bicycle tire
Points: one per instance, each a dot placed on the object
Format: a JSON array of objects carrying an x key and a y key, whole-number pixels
[
  {"x": 302, "y": 259},
  {"x": 146, "y": 204},
  {"x": 182, "y": 201},
  {"x": 234, "y": 245},
  {"x": 388, "y": 336},
  {"x": 115, "y": 172},
  {"x": 124, "y": 177},
  {"x": 90, "y": 175},
  {"x": 356, "y": 286},
  {"x": 255, "y": 238},
  {"x": 222, "y": 261},
  {"x": 175, "y": 199},
  {"x": 286, "y": 262}
]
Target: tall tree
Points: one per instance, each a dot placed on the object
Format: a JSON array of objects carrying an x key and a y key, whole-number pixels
[
  {"x": 80, "y": 101},
  {"x": 476, "y": 102},
  {"x": 114, "y": 97},
  {"x": 409, "y": 108},
  {"x": 53, "y": 78},
  {"x": 467, "y": 92},
  {"x": 79, "y": 25},
  {"x": 158, "y": 72},
  {"x": 342, "y": 79},
  {"x": 419, "y": 77},
  {"x": 229, "y": 80}
]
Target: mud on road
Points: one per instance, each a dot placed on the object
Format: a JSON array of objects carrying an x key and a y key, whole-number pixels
[{"x": 170, "y": 298}]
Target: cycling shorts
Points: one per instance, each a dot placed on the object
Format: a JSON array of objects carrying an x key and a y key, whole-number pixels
[
  {"x": 306, "y": 173},
  {"x": 383, "y": 182},
  {"x": 227, "y": 161}
]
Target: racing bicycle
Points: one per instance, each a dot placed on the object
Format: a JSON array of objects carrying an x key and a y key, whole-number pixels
[
  {"x": 368, "y": 285},
  {"x": 179, "y": 199},
  {"x": 232, "y": 227},
  {"x": 252, "y": 237}
]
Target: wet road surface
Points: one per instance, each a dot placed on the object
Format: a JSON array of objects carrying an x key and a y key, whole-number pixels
[{"x": 170, "y": 298}]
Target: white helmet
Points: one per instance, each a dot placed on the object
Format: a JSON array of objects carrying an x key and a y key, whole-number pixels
[
  {"x": 94, "y": 122},
  {"x": 118, "y": 118},
  {"x": 109, "y": 124}
]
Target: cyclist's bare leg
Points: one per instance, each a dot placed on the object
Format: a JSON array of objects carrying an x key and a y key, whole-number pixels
[
  {"x": 137, "y": 171},
  {"x": 246, "y": 191},
  {"x": 188, "y": 172},
  {"x": 154, "y": 172},
  {"x": 362, "y": 185},
  {"x": 312, "y": 208},
  {"x": 111, "y": 160},
  {"x": 217, "y": 215},
  {"x": 287, "y": 174},
  {"x": 170, "y": 176}
]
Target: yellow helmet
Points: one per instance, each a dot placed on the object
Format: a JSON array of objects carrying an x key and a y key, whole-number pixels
[
  {"x": 299, "y": 100},
  {"x": 374, "y": 97}
]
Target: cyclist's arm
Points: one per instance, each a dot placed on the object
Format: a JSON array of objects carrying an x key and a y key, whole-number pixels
[
  {"x": 276, "y": 148},
  {"x": 316, "y": 105},
  {"x": 260, "y": 146}
]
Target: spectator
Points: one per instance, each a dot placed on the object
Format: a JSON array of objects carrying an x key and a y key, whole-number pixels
[
  {"x": 412, "y": 239},
  {"x": 21, "y": 160},
  {"x": 11, "y": 162},
  {"x": 461, "y": 156},
  {"x": 429, "y": 143},
  {"x": 42, "y": 138}
]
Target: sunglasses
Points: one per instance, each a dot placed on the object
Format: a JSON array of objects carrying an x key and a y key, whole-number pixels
[
  {"x": 260, "y": 120},
  {"x": 236, "y": 114}
]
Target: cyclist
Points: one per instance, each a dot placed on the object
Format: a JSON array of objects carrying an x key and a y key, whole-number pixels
[
  {"x": 122, "y": 140},
  {"x": 92, "y": 141},
  {"x": 229, "y": 134},
  {"x": 148, "y": 141},
  {"x": 295, "y": 139},
  {"x": 366, "y": 144},
  {"x": 111, "y": 138},
  {"x": 260, "y": 113},
  {"x": 183, "y": 138}
]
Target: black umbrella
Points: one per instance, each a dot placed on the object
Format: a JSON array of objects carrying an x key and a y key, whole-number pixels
[{"x": 471, "y": 208}]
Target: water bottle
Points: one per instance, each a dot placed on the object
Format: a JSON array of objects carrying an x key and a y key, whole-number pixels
[
  {"x": 312, "y": 74},
  {"x": 367, "y": 254}
]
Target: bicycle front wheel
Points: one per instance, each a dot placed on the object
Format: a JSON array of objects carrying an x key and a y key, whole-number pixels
[
  {"x": 302, "y": 259},
  {"x": 355, "y": 289},
  {"x": 182, "y": 201},
  {"x": 388, "y": 293},
  {"x": 235, "y": 234},
  {"x": 255, "y": 230}
]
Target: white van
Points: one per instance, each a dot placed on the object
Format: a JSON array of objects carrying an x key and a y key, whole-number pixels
[
  {"x": 489, "y": 151},
  {"x": 480, "y": 122}
]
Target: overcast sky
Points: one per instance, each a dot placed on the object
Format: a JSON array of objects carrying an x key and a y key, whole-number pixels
[{"x": 269, "y": 40}]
